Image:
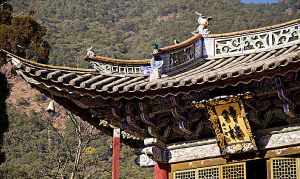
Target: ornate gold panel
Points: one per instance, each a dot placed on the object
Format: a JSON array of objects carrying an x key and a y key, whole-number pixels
[
  {"x": 230, "y": 171},
  {"x": 285, "y": 168},
  {"x": 228, "y": 118}
]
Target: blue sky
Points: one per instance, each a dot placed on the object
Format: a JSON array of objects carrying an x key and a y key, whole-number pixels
[{"x": 259, "y": 1}]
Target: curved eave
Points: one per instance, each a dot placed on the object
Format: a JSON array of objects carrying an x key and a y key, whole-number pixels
[
  {"x": 67, "y": 102},
  {"x": 211, "y": 74},
  {"x": 30, "y": 63},
  {"x": 53, "y": 89},
  {"x": 184, "y": 84}
]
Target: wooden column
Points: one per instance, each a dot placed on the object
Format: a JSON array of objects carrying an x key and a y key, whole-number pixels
[
  {"x": 116, "y": 154},
  {"x": 161, "y": 171}
]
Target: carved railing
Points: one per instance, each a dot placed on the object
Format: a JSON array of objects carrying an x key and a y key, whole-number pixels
[
  {"x": 166, "y": 59},
  {"x": 179, "y": 55},
  {"x": 108, "y": 68},
  {"x": 253, "y": 41},
  {"x": 116, "y": 66}
]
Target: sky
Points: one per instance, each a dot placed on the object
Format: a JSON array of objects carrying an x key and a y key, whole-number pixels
[{"x": 259, "y": 1}]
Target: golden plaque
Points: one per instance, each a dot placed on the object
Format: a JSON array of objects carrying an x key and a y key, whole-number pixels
[{"x": 229, "y": 122}]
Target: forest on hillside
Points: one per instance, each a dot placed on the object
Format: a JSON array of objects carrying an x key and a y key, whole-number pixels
[{"x": 40, "y": 145}]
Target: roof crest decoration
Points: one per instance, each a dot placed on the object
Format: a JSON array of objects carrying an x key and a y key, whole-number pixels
[
  {"x": 200, "y": 47},
  {"x": 233, "y": 45},
  {"x": 203, "y": 23}
]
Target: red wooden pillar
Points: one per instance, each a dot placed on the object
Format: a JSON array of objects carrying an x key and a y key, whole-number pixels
[
  {"x": 116, "y": 154},
  {"x": 161, "y": 171}
]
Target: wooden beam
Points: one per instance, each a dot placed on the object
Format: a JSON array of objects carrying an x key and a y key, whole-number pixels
[
  {"x": 197, "y": 164},
  {"x": 116, "y": 154},
  {"x": 281, "y": 152}
]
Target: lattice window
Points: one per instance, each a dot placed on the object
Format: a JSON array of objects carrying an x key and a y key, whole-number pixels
[
  {"x": 285, "y": 168},
  {"x": 209, "y": 173},
  {"x": 234, "y": 171},
  {"x": 187, "y": 174},
  {"x": 231, "y": 171}
]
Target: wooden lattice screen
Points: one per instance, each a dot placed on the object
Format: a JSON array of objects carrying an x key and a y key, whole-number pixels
[
  {"x": 285, "y": 168},
  {"x": 278, "y": 168},
  {"x": 230, "y": 171}
]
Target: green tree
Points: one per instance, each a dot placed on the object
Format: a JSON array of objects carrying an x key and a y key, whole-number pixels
[{"x": 22, "y": 36}]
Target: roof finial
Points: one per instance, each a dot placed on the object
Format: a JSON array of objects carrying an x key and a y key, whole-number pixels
[
  {"x": 176, "y": 41},
  {"x": 51, "y": 107},
  {"x": 155, "y": 46},
  {"x": 202, "y": 24},
  {"x": 156, "y": 63},
  {"x": 90, "y": 53}
]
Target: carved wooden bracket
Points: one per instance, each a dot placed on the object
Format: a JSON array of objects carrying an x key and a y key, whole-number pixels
[
  {"x": 229, "y": 122},
  {"x": 181, "y": 121},
  {"x": 156, "y": 150},
  {"x": 145, "y": 118},
  {"x": 288, "y": 106},
  {"x": 131, "y": 119}
]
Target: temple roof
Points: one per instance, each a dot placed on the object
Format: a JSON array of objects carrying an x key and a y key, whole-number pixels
[{"x": 199, "y": 63}]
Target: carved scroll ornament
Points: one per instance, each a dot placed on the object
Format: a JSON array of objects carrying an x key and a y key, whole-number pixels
[
  {"x": 230, "y": 124},
  {"x": 258, "y": 41}
]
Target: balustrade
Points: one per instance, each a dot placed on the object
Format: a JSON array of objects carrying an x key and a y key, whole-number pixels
[
  {"x": 256, "y": 42},
  {"x": 200, "y": 48}
]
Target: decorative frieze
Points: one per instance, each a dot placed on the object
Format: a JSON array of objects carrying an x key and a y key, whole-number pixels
[
  {"x": 108, "y": 68},
  {"x": 255, "y": 42},
  {"x": 193, "y": 151},
  {"x": 280, "y": 137}
]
